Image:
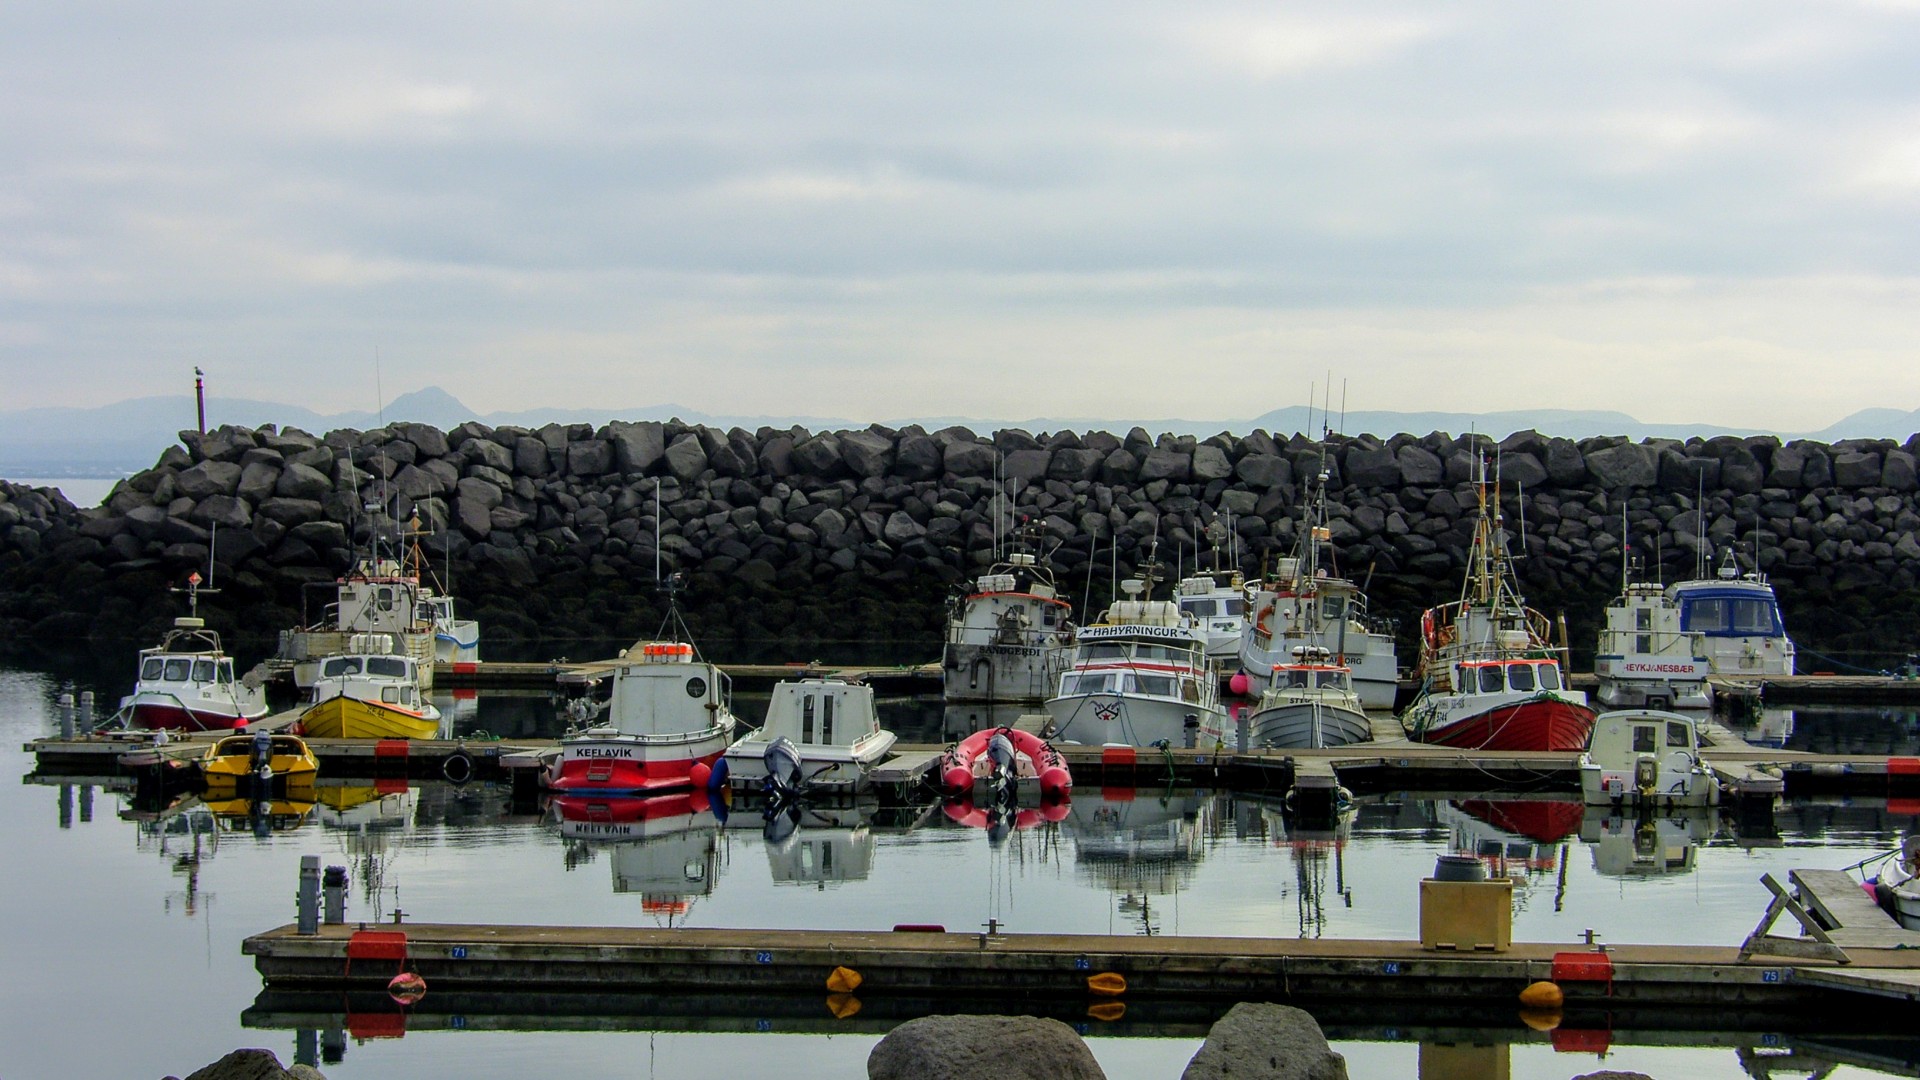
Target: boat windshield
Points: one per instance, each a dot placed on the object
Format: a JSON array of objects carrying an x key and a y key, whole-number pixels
[
  {"x": 1520, "y": 677},
  {"x": 391, "y": 666},
  {"x": 1160, "y": 652},
  {"x": 1086, "y": 684},
  {"x": 340, "y": 665},
  {"x": 1491, "y": 679},
  {"x": 1200, "y": 607},
  {"x": 1111, "y": 650},
  {"x": 1549, "y": 676},
  {"x": 1159, "y": 685},
  {"x": 151, "y": 668},
  {"x": 178, "y": 670},
  {"x": 1730, "y": 616}
]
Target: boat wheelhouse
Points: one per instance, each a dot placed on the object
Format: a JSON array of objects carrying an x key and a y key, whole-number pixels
[
  {"x": 668, "y": 719},
  {"x": 1008, "y": 636},
  {"x": 1307, "y": 603},
  {"x": 1217, "y": 604},
  {"x": 1140, "y": 677},
  {"x": 1737, "y": 620},
  {"x": 378, "y": 596}
]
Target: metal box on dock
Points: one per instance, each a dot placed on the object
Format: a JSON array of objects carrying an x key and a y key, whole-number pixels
[{"x": 1466, "y": 916}]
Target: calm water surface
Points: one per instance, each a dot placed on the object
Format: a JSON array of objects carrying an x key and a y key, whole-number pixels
[{"x": 141, "y": 920}]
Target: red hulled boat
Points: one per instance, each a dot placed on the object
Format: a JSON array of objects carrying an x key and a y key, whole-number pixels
[
  {"x": 1490, "y": 679},
  {"x": 668, "y": 720}
]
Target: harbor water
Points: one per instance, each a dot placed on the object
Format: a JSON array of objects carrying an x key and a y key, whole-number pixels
[{"x": 135, "y": 916}]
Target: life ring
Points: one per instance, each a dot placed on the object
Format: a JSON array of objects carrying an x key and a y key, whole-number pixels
[
  {"x": 457, "y": 768},
  {"x": 1260, "y": 626}
]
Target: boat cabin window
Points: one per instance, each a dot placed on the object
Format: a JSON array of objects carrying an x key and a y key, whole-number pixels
[
  {"x": 1157, "y": 652},
  {"x": 1049, "y": 615},
  {"x": 151, "y": 667},
  {"x": 1549, "y": 676},
  {"x": 1334, "y": 679},
  {"x": 340, "y": 665},
  {"x": 1643, "y": 618},
  {"x": 383, "y": 598},
  {"x": 392, "y": 666},
  {"x": 1729, "y": 615},
  {"x": 806, "y": 719},
  {"x": 1161, "y": 685},
  {"x": 1201, "y": 608},
  {"x": 1109, "y": 650},
  {"x": 1085, "y": 684},
  {"x": 224, "y": 671},
  {"x": 1235, "y": 605},
  {"x": 1492, "y": 680},
  {"x": 1677, "y": 735},
  {"x": 1520, "y": 676},
  {"x": 1645, "y": 738},
  {"x": 390, "y": 694},
  {"x": 1296, "y": 679},
  {"x": 826, "y": 718},
  {"x": 177, "y": 670}
]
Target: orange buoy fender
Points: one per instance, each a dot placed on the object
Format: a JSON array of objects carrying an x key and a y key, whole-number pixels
[
  {"x": 844, "y": 980},
  {"x": 842, "y": 1005},
  {"x": 1542, "y": 995},
  {"x": 1108, "y": 1011},
  {"x": 1107, "y": 984}
]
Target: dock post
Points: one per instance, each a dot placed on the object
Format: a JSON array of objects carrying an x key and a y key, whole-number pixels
[
  {"x": 86, "y": 803},
  {"x": 335, "y": 886},
  {"x": 64, "y": 706},
  {"x": 306, "y": 1047},
  {"x": 309, "y": 895},
  {"x": 66, "y": 806},
  {"x": 86, "y": 712}
]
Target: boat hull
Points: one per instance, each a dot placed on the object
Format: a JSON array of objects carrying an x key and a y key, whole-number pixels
[
  {"x": 170, "y": 715},
  {"x": 1137, "y": 720},
  {"x": 1305, "y": 725},
  {"x": 629, "y": 764},
  {"x": 1535, "y": 724},
  {"x": 1376, "y": 672},
  {"x": 350, "y": 718},
  {"x": 990, "y": 673},
  {"x": 832, "y": 768}
]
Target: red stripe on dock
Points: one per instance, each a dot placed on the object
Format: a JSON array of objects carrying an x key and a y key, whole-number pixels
[
  {"x": 390, "y": 748},
  {"x": 1582, "y": 967},
  {"x": 1111, "y": 756},
  {"x": 1903, "y": 766}
]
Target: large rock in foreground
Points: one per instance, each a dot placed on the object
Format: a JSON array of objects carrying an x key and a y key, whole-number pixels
[
  {"x": 1266, "y": 1042},
  {"x": 983, "y": 1048}
]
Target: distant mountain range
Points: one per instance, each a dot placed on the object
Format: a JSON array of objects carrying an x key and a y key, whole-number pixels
[{"x": 127, "y": 436}]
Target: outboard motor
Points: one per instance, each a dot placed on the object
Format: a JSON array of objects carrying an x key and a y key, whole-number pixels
[
  {"x": 260, "y": 761},
  {"x": 1005, "y": 774},
  {"x": 782, "y": 760}
]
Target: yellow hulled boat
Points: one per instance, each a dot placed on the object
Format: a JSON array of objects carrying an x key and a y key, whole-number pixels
[
  {"x": 234, "y": 763},
  {"x": 351, "y": 718}
]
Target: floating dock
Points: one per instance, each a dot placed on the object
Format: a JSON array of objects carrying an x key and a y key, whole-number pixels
[{"x": 1747, "y": 774}]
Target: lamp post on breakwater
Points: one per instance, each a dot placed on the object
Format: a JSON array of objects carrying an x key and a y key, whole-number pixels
[{"x": 200, "y": 398}]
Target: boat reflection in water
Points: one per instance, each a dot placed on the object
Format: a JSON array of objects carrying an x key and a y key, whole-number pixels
[
  {"x": 815, "y": 842},
  {"x": 1646, "y": 845},
  {"x": 1316, "y": 849},
  {"x": 1771, "y": 727},
  {"x": 1138, "y": 845},
  {"x": 1520, "y": 839},
  {"x": 959, "y": 721},
  {"x": 666, "y": 848}
]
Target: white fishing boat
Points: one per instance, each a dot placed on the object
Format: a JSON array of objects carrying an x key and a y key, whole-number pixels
[
  {"x": 1140, "y": 677},
  {"x": 187, "y": 682},
  {"x": 669, "y": 718},
  {"x": 1308, "y": 602},
  {"x": 820, "y": 735},
  {"x": 1737, "y": 619},
  {"x": 455, "y": 640},
  {"x": 1007, "y": 636},
  {"x": 1644, "y": 659},
  {"x": 1310, "y": 703},
  {"x": 1647, "y": 758},
  {"x": 1217, "y": 603}
]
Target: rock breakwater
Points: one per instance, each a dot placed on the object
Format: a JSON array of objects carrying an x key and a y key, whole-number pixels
[{"x": 793, "y": 537}]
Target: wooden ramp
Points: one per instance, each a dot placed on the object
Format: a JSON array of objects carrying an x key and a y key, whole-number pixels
[{"x": 1838, "y": 918}]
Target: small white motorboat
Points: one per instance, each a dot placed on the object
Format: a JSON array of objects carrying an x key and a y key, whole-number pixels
[
  {"x": 1646, "y": 757},
  {"x": 820, "y": 735},
  {"x": 1311, "y": 704}
]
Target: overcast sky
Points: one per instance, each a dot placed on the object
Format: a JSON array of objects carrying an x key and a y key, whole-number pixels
[{"x": 1689, "y": 212}]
